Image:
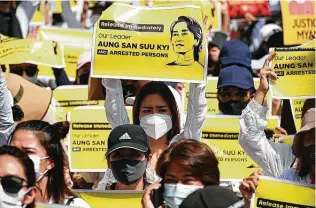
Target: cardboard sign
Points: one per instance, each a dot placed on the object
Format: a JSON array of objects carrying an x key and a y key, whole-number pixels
[{"x": 156, "y": 43}]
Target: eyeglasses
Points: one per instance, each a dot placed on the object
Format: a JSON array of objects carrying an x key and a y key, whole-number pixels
[
  {"x": 12, "y": 184},
  {"x": 29, "y": 70},
  {"x": 227, "y": 95}
]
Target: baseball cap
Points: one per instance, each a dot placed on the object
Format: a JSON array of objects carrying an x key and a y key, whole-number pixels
[
  {"x": 83, "y": 59},
  {"x": 236, "y": 76},
  {"x": 212, "y": 197},
  {"x": 128, "y": 136},
  {"x": 235, "y": 52},
  {"x": 308, "y": 123}
]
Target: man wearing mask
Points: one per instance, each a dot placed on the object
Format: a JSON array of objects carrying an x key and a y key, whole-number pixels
[
  {"x": 127, "y": 157},
  {"x": 235, "y": 89}
]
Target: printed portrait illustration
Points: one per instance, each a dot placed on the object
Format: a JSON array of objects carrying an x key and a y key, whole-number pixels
[{"x": 186, "y": 39}]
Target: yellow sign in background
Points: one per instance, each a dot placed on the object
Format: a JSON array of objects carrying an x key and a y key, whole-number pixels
[
  {"x": 276, "y": 193},
  {"x": 66, "y": 98},
  {"x": 75, "y": 42},
  {"x": 139, "y": 45},
  {"x": 221, "y": 134},
  {"x": 300, "y": 21},
  {"x": 88, "y": 136},
  {"x": 295, "y": 68},
  {"x": 16, "y": 51},
  {"x": 296, "y": 107}
]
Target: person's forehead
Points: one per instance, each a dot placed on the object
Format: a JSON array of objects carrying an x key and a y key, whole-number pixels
[
  {"x": 180, "y": 25},
  {"x": 27, "y": 140},
  {"x": 154, "y": 100},
  {"x": 11, "y": 166}
]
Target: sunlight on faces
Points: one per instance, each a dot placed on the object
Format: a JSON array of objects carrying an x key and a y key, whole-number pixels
[
  {"x": 177, "y": 173},
  {"x": 126, "y": 153},
  {"x": 154, "y": 103},
  {"x": 182, "y": 39},
  {"x": 10, "y": 166},
  {"x": 28, "y": 142},
  {"x": 227, "y": 94}
]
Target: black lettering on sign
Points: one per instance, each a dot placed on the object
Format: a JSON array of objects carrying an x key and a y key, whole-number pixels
[
  {"x": 278, "y": 204},
  {"x": 116, "y": 25},
  {"x": 91, "y": 126}
]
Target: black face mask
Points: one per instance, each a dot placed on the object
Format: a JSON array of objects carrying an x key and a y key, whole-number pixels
[
  {"x": 128, "y": 90},
  {"x": 128, "y": 171},
  {"x": 211, "y": 62},
  {"x": 84, "y": 79},
  {"x": 232, "y": 107}
]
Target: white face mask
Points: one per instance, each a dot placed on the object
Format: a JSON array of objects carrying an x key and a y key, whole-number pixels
[
  {"x": 37, "y": 161},
  {"x": 156, "y": 125},
  {"x": 12, "y": 200},
  {"x": 174, "y": 194}
]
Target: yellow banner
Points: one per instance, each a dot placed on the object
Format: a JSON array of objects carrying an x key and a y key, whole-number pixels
[
  {"x": 66, "y": 98},
  {"x": 210, "y": 11},
  {"x": 88, "y": 136},
  {"x": 38, "y": 17},
  {"x": 44, "y": 205},
  {"x": 16, "y": 51},
  {"x": 221, "y": 134},
  {"x": 300, "y": 21},
  {"x": 297, "y": 107},
  {"x": 280, "y": 194},
  {"x": 295, "y": 68},
  {"x": 150, "y": 44},
  {"x": 98, "y": 199},
  {"x": 75, "y": 42},
  {"x": 309, "y": 44},
  {"x": 211, "y": 96}
]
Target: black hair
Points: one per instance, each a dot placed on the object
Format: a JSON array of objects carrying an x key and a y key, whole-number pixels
[
  {"x": 49, "y": 137},
  {"x": 17, "y": 112},
  {"x": 26, "y": 162},
  {"x": 161, "y": 89},
  {"x": 195, "y": 28}
]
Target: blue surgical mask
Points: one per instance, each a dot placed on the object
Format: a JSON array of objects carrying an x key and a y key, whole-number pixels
[{"x": 174, "y": 194}]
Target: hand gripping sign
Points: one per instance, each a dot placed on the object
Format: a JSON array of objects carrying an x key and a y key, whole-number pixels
[{"x": 164, "y": 43}]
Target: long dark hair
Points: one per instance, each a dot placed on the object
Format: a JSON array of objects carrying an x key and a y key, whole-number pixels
[
  {"x": 195, "y": 156},
  {"x": 195, "y": 28},
  {"x": 50, "y": 137},
  {"x": 161, "y": 89},
  {"x": 26, "y": 162}
]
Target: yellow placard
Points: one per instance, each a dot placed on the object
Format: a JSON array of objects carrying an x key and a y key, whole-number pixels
[
  {"x": 133, "y": 42},
  {"x": 300, "y": 21},
  {"x": 38, "y": 17},
  {"x": 75, "y": 42},
  {"x": 309, "y": 44},
  {"x": 210, "y": 10},
  {"x": 211, "y": 96},
  {"x": 295, "y": 68},
  {"x": 221, "y": 134},
  {"x": 297, "y": 107},
  {"x": 98, "y": 199},
  {"x": 66, "y": 98},
  {"x": 281, "y": 194},
  {"x": 16, "y": 51},
  {"x": 88, "y": 137}
]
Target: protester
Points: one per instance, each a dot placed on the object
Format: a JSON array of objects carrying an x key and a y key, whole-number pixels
[
  {"x": 41, "y": 141},
  {"x": 17, "y": 179},
  {"x": 212, "y": 197},
  {"x": 9, "y": 23},
  {"x": 235, "y": 89},
  {"x": 155, "y": 109},
  {"x": 214, "y": 49},
  {"x": 184, "y": 167},
  {"x": 127, "y": 158},
  {"x": 303, "y": 148},
  {"x": 83, "y": 68}
]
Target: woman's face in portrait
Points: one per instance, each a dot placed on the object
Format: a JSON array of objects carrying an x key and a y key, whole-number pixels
[{"x": 182, "y": 38}]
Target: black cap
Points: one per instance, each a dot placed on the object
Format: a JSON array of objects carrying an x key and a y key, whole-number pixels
[
  {"x": 218, "y": 40},
  {"x": 128, "y": 136},
  {"x": 212, "y": 197}
]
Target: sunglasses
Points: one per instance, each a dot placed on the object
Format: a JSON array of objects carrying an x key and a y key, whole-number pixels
[
  {"x": 29, "y": 70},
  {"x": 12, "y": 184},
  {"x": 239, "y": 94}
]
